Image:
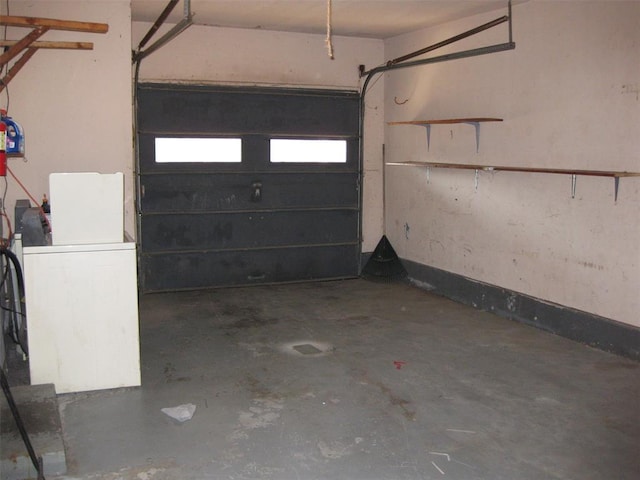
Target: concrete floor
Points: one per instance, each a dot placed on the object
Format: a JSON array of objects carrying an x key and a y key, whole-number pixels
[{"x": 355, "y": 380}]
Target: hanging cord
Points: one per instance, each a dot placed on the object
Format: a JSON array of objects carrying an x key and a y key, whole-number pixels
[
  {"x": 328, "y": 39},
  {"x": 16, "y": 308},
  {"x": 6, "y": 67}
]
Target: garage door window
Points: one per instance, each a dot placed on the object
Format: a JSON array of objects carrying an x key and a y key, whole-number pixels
[
  {"x": 308, "y": 151},
  {"x": 198, "y": 150}
]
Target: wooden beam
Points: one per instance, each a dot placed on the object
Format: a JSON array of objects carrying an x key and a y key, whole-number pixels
[
  {"x": 52, "y": 45},
  {"x": 16, "y": 67},
  {"x": 54, "y": 24},
  {"x": 22, "y": 44}
]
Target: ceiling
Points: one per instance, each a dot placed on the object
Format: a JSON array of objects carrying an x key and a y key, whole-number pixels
[{"x": 356, "y": 18}]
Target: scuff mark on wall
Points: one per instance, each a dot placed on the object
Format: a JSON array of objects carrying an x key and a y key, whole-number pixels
[
  {"x": 592, "y": 265},
  {"x": 436, "y": 243},
  {"x": 423, "y": 285},
  {"x": 530, "y": 254},
  {"x": 631, "y": 89},
  {"x": 512, "y": 303}
]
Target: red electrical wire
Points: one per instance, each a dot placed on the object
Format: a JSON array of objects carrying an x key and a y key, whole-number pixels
[{"x": 30, "y": 196}]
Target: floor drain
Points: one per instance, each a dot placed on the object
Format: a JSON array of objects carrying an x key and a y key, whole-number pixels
[{"x": 307, "y": 349}]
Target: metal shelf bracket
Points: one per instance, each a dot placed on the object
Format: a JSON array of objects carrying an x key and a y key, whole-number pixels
[
  {"x": 428, "y": 127},
  {"x": 477, "y": 126}
]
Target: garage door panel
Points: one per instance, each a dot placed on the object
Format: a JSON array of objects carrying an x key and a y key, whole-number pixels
[
  {"x": 216, "y": 209},
  {"x": 230, "y": 192},
  {"x": 233, "y": 110},
  {"x": 217, "y": 269},
  {"x": 247, "y": 230}
]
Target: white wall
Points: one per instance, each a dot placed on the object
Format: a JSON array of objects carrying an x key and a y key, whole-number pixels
[
  {"x": 208, "y": 55},
  {"x": 569, "y": 97},
  {"x": 74, "y": 106}
]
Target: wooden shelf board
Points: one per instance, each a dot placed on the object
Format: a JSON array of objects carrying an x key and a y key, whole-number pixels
[
  {"x": 52, "y": 45},
  {"x": 447, "y": 121},
  {"x": 54, "y": 24},
  {"x": 488, "y": 168}
]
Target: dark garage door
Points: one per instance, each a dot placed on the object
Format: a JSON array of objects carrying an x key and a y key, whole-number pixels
[{"x": 210, "y": 217}]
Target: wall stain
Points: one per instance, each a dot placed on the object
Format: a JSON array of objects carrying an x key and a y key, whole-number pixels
[
  {"x": 592, "y": 265},
  {"x": 631, "y": 89},
  {"x": 437, "y": 243},
  {"x": 512, "y": 302}
]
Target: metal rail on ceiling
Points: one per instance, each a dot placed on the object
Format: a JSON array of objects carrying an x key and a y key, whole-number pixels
[
  {"x": 401, "y": 62},
  {"x": 182, "y": 25}
]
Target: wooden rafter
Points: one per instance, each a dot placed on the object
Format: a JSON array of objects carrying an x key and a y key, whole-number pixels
[
  {"x": 53, "y": 24},
  {"x": 29, "y": 45},
  {"x": 17, "y": 67},
  {"x": 52, "y": 45},
  {"x": 21, "y": 45}
]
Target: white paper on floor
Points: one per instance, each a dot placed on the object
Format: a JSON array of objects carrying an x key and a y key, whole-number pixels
[{"x": 182, "y": 413}]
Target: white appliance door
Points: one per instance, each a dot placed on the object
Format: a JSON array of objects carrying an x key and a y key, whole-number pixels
[{"x": 82, "y": 313}]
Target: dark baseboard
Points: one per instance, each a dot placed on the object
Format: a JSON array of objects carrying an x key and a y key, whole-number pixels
[{"x": 587, "y": 328}]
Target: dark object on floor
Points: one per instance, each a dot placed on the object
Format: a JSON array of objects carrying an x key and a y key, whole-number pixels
[{"x": 384, "y": 263}]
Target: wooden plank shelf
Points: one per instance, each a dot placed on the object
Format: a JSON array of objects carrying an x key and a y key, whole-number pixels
[
  {"x": 54, "y": 24},
  {"x": 474, "y": 121},
  {"x": 447, "y": 121},
  {"x": 615, "y": 174},
  {"x": 52, "y": 45},
  {"x": 488, "y": 168}
]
